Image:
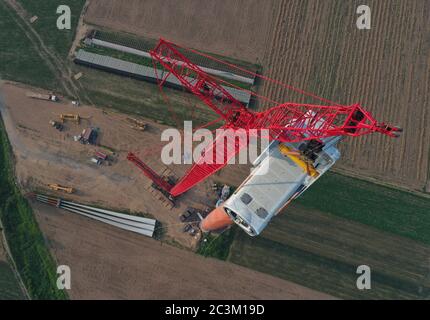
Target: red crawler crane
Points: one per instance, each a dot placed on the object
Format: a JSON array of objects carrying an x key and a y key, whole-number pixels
[{"x": 288, "y": 122}]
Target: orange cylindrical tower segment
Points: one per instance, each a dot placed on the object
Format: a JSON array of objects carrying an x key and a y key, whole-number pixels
[{"x": 217, "y": 219}]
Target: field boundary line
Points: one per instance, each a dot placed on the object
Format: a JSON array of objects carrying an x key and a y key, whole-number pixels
[{"x": 376, "y": 181}]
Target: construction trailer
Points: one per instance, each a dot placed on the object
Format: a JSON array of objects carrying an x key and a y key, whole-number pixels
[
  {"x": 40, "y": 96},
  {"x": 89, "y": 136}
]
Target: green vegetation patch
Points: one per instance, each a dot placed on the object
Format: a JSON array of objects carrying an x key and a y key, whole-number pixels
[
  {"x": 26, "y": 242},
  {"x": 46, "y": 24},
  {"x": 385, "y": 208},
  {"x": 9, "y": 286},
  {"x": 318, "y": 271},
  {"x": 19, "y": 61},
  {"x": 217, "y": 245}
]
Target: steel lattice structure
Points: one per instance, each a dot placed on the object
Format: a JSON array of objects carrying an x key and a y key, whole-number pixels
[{"x": 288, "y": 122}]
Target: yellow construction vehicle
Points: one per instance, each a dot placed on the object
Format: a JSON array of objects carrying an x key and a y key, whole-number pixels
[
  {"x": 71, "y": 117},
  {"x": 137, "y": 124},
  {"x": 57, "y": 187}
]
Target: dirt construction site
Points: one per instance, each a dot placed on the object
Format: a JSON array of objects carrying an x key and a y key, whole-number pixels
[
  {"x": 102, "y": 253},
  {"x": 117, "y": 184}
]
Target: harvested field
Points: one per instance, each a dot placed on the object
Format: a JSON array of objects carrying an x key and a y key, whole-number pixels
[
  {"x": 107, "y": 263},
  {"x": 234, "y": 28},
  {"x": 315, "y": 45},
  {"x": 322, "y": 251}
]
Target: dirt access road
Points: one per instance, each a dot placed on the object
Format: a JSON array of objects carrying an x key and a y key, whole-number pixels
[{"x": 108, "y": 263}]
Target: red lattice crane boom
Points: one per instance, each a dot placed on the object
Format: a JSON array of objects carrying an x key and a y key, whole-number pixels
[{"x": 288, "y": 122}]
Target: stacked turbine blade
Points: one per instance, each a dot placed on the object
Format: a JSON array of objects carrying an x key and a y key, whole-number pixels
[{"x": 135, "y": 224}]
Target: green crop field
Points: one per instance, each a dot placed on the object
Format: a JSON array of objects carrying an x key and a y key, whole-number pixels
[
  {"x": 46, "y": 24},
  {"x": 19, "y": 61},
  {"x": 26, "y": 242},
  {"x": 322, "y": 251},
  {"x": 9, "y": 287},
  {"x": 19, "y": 56},
  {"x": 385, "y": 208},
  {"x": 215, "y": 245}
]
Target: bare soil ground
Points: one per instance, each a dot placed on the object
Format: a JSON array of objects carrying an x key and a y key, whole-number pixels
[
  {"x": 234, "y": 28},
  {"x": 107, "y": 263},
  {"x": 45, "y": 155}
]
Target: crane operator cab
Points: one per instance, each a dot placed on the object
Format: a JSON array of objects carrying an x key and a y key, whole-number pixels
[{"x": 281, "y": 174}]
